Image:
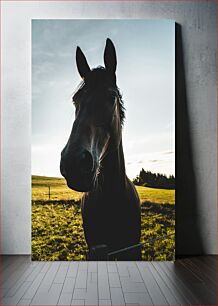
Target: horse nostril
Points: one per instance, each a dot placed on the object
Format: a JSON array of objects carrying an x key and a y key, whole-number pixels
[{"x": 86, "y": 161}]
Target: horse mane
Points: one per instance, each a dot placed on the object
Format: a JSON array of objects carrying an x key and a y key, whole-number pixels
[{"x": 98, "y": 76}]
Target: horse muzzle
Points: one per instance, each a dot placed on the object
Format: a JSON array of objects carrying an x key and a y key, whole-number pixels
[{"x": 78, "y": 170}]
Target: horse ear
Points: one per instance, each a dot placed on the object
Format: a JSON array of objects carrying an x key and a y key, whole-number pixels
[
  {"x": 110, "y": 58},
  {"x": 82, "y": 65}
]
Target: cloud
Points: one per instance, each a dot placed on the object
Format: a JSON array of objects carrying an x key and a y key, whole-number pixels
[
  {"x": 169, "y": 152},
  {"x": 157, "y": 162}
]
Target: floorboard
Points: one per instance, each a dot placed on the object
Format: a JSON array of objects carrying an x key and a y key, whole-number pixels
[{"x": 188, "y": 281}]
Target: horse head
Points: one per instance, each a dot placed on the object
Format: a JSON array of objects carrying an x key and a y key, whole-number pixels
[{"x": 98, "y": 118}]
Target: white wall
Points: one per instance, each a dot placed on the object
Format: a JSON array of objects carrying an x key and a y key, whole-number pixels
[{"x": 196, "y": 113}]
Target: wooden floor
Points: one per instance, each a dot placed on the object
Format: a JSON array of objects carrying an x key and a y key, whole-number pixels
[{"x": 189, "y": 281}]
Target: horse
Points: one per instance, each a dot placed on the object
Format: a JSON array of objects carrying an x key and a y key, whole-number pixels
[{"x": 93, "y": 161}]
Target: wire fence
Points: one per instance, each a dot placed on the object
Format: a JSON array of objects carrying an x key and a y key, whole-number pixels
[
  {"x": 138, "y": 245},
  {"x": 100, "y": 252}
]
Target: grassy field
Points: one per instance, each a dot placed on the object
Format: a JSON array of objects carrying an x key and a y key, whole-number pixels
[
  {"x": 57, "y": 232},
  {"x": 60, "y": 191}
]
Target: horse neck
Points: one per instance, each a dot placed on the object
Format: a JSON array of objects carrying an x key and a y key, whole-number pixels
[{"x": 113, "y": 174}]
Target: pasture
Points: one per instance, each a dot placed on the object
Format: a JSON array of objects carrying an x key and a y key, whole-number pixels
[{"x": 57, "y": 232}]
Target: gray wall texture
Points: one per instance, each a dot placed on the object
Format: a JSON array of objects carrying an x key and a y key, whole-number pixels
[{"x": 196, "y": 202}]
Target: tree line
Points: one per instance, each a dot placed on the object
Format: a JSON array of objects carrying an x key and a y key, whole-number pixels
[{"x": 155, "y": 180}]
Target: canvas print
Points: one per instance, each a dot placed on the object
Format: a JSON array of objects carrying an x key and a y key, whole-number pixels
[{"x": 103, "y": 140}]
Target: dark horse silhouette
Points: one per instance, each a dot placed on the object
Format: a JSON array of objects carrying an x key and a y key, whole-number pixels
[{"x": 93, "y": 161}]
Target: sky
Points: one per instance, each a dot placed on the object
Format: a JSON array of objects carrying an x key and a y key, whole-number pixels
[{"x": 145, "y": 75}]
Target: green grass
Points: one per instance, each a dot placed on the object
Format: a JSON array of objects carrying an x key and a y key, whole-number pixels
[
  {"x": 57, "y": 232},
  {"x": 155, "y": 195}
]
